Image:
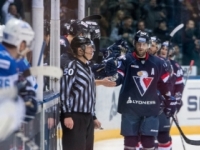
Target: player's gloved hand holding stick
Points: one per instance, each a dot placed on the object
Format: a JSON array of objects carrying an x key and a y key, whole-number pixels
[
  {"x": 170, "y": 106},
  {"x": 179, "y": 101}
]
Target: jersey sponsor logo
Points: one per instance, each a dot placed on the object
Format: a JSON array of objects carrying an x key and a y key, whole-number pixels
[
  {"x": 140, "y": 102},
  {"x": 129, "y": 101},
  {"x": 134, "y": 66},
  {"x": 68, "y": 71},
  {"x": 84, "y": 24},
  {"x": 142, "y": 81},
  {"x": 173, "y": 103},
  {"x": 153, "y": 130}
]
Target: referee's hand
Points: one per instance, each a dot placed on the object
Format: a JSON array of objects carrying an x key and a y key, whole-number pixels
[{"x": 69, "y": 123}]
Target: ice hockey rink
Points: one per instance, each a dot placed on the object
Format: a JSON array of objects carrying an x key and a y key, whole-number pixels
[{"x": 117, "y": 144}]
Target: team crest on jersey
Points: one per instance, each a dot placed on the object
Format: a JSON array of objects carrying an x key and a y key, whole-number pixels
[{"x": 142, "y": 81}]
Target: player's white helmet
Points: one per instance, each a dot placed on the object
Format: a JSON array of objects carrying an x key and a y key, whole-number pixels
[
  {"x": 17, "y": 31},
  {"x": 1, "y": 32}
]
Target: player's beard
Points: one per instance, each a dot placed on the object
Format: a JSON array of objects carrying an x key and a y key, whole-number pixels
[{"x": 141, "y": 54}]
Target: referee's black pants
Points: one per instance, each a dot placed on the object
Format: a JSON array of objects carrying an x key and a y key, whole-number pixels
[{"x": 81, "y": 137}]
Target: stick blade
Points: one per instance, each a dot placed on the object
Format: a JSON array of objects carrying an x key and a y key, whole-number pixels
[
  {"x": 176, "y": 29},
  {"x": 44, "y": 71},
  {"x": 188, "y": 141},
  {"x": 92, "y": 17}
]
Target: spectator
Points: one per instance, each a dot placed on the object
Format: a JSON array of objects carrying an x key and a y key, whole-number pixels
[
  {"x": 126, "y": 32},
  {"x": 9, "y": 10},
  {"x": 162, "y": 31},
  {"x": 189, "y": 47},
  {"x": 142, "y": 27},
  {"x": 118, "y": 19},
  {"x": 138, "y": 9},
  {"x": 20, "y": 8},
  {"x": 152, "y": 14},
  {"x": 124, "y": 5}
]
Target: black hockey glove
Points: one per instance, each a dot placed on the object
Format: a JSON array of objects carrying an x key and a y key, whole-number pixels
[
  {"x": 179, "y": 104},
  {"x": 99, "y": 71},
  {"x": 110, "y": 68},
  {"x": 170, "y": 106},
  {"x": 28, "y": 94}
]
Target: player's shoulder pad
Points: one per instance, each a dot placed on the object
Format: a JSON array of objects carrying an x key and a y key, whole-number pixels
[
  {"x": 7, "y": 62},
  {"x": 157, "y": 60},
  {"x": 175, "y": 63}
]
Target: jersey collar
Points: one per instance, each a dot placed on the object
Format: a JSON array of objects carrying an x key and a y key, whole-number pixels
[{"x": 135, "y": 56}]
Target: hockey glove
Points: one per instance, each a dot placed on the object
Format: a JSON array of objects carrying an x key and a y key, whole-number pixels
[
  {"x": 110, "y": 68},
  {"x": 179, "y": 104},
  {"x": 170, "y": 106},
  {"x": 99, "y": 71},
  {"x": 28, "y": 94}
]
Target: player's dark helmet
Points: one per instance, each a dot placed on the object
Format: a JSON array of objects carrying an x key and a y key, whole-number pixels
[
  {"x": 78, "y": 27},
  {"x": 141, "y": 36},
  {"x": 80, "y": 42},
  {"x": 156, "y": 40},
  {"x": 64, "y": 29},
  {"x": 94, "y": 30}
]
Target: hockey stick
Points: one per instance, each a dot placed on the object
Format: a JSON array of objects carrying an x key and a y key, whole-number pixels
[
  {"x": 180, "y": 26},
  {"x": 43, "y": 71},
  {"x": 188, "y": 141},
  {"x": 92, "y": 17},
  {"x": 41, "y": 52},
  {"x": 181, "y": 136}
]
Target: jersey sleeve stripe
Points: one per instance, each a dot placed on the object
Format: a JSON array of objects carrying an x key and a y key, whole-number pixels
[
  {"x": 120, "y": 72},
  {"x": 165, "y": 77},
  {"x": 179, "y": 80}
]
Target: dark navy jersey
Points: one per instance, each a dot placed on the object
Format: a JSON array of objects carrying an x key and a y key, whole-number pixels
[
  {"x": 139, "y": 78},
  {"x": 65, "y": 51},
  {"x": 168, "y": 68},
  {"x": 176, "y": 79},
  {"x": 64, "y": 45}
]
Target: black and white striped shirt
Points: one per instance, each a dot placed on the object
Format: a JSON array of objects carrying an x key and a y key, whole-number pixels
[{"x": 77, "y": 88}]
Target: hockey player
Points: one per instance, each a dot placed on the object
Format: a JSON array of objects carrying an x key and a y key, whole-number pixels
[
  {"x": 176, "y": 86},
  {"x": 78, "y": 98},
  {"x": 17, "y": 35},
  {"x": 139, "y": 73},
  {"x": 155, "y": 45},
  {"x": 76, "y": 28}
]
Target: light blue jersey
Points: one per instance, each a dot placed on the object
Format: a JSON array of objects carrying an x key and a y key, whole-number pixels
[{"x": 8, "y": 68}]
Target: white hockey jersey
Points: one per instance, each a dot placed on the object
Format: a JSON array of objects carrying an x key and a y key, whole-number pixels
[{"x": 12, "y": 112}]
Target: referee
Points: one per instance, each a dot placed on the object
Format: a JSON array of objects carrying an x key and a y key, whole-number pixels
[{"x": 78, "y": 98}]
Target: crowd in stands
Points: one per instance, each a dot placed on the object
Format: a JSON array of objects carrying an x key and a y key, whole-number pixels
[{"x": 122, "y": 18}]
